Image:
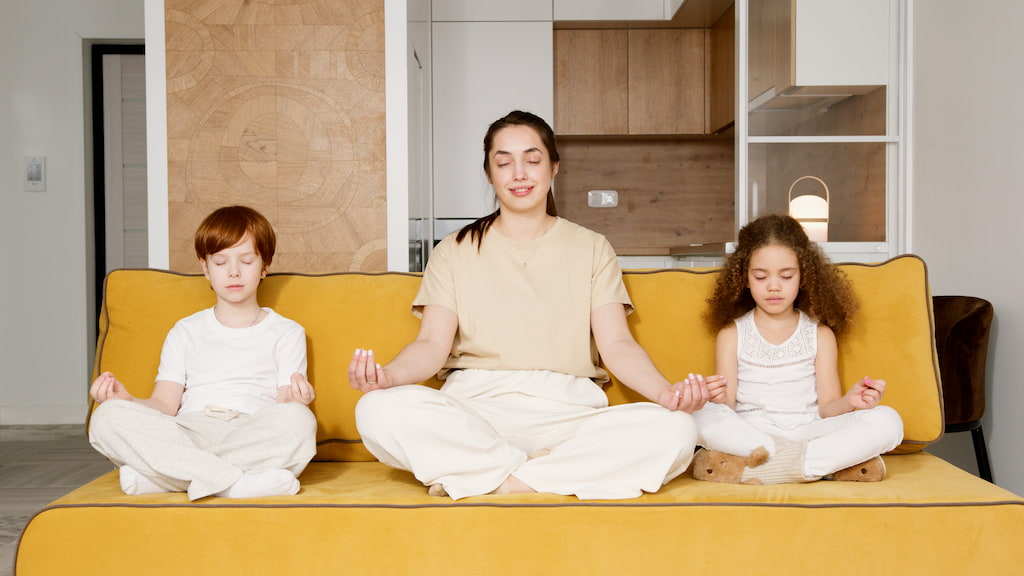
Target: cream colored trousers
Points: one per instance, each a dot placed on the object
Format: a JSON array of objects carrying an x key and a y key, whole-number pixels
[
  {"x": 833, "y": 443},
  {"x": 483, "y": 425},
  {"x": 203, "y": 453}
]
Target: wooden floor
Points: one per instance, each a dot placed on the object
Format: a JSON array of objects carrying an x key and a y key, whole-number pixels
[{"x": 39, "y": 464}]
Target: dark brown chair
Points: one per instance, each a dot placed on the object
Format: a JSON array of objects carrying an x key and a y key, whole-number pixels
[{"x": 962, "y": 326}]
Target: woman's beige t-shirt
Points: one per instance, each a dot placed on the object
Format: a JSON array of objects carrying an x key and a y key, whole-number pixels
[{"x": 525, "y": 307}]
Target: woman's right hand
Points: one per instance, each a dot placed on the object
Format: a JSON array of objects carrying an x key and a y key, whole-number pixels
[
  {"x": 365, "y": 374},
  {"x": 688, "y": 395},
  {"x": 107, "y": 387}
]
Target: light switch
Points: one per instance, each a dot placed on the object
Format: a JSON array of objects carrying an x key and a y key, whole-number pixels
[
  {"x": 603, "y": 198},
  {"x": 35, "y": 174}
]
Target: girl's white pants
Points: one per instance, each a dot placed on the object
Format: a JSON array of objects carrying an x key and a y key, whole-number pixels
[
  {"x": 203, "y": 453},
  {"x": 483, "y": 426},
  {"x": 833, "y": 443}
]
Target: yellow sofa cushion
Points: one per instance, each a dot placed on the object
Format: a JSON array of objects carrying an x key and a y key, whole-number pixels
[
  {"x": 353, "y": 518},
  {"x": 340, "y": 312}
]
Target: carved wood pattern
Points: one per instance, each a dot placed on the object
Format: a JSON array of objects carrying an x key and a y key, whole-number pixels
[{"x": 279, "y": 105}]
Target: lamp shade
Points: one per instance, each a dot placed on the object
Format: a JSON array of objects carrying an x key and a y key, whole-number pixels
[{"x": 811, "y": 211}]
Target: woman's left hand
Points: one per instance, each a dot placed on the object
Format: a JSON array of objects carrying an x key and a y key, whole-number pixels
[
  {"x": 365, "y": 374},
  {"x": 688, "y": 395}
]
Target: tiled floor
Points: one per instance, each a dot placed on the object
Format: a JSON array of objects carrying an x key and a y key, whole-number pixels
[{"x": 39, "y": 464}]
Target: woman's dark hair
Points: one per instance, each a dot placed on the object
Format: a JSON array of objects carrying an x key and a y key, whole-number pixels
[{"x": 476, "y": 230}]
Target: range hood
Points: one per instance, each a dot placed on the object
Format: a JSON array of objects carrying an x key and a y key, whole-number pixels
[{"x": 803, "y": 98}]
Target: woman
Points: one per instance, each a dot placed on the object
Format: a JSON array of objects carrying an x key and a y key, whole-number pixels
[{"x": 515, "y": 308}]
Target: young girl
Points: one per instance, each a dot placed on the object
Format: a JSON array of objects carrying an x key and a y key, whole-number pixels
[
  {"x": 778, "y": 306},
  {"x": 229, "y": 413}
]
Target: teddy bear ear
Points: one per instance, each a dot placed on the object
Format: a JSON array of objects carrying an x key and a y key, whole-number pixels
[{"x": 757, "y": 457}]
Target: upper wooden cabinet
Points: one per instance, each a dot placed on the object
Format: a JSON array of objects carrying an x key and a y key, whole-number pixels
[
  {"x": 721, "y": 86},
  {"x": 761, "y": 45},
  {"x": 591, "y": 81},
  {"x": 666, "y": 81},
  {"x": 819, "y": 47},
  {"x": 629, "y": 82}
]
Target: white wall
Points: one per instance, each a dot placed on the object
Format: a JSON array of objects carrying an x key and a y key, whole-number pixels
[
  {"x": 968, "y": 194},
  {"x": 44, "y": 322},
  {"x": 47, "y": 327}
]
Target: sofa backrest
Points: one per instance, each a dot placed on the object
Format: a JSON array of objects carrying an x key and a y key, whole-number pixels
[
  {"x": 341, "y": 312},
  {"x": 892, "y": 337}
]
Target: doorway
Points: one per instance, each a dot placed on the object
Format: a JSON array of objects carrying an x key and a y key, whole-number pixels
[{"x": 120, "y": 207}]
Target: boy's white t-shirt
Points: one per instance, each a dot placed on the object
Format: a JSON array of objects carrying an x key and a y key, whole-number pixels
[{"x": 235, "y": 368}]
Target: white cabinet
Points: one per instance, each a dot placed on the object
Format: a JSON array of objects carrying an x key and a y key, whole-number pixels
[
  {"x": 482, "y": 71},
  {"x": 615, "y": 9},
  {"x": 841, "y": 43},
  {"x": 818, "y": 47},
  {"x": 490, "y": 10}
]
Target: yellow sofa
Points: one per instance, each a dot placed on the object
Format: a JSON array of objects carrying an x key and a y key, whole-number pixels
[{"x": 356, "y": 516}]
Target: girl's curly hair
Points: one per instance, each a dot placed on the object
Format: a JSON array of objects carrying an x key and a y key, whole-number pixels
[{"x": 825, "y": 292}]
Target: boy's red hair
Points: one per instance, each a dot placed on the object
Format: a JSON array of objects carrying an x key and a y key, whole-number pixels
[{"x": 229, "y": 225}]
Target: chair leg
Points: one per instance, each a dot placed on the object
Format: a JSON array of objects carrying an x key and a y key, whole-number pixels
[{"x": 981, "y": 454}]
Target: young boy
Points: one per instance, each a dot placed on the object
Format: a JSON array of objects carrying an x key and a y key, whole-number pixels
[{"x": 229, "y": 413}]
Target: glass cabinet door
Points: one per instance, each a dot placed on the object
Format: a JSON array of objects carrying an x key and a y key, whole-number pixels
[{"x": 822, "y": 136}]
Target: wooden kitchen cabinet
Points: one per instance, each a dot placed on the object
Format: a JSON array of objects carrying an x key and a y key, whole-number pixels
[
  {"x": 761, "y": 46},
  {"x": 721, "y": 73},
  {"x": 666, "y": 81},
  {"x": 591, "y": 82},
  {"x": 629, "y": 82}
]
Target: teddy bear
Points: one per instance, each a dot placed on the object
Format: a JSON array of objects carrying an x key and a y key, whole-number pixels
[
  {"x": 785, "y": 467},
  {"x": 714, "y": 466}
]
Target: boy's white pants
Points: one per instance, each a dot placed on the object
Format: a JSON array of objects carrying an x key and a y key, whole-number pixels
[
  {"x": 203, "y": 453},
  {"x": 834, "y": 443},
  {"x": 483, "y": 425}
]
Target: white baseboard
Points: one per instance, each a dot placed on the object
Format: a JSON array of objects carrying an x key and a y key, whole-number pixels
[{"x": 39, "y": 415}]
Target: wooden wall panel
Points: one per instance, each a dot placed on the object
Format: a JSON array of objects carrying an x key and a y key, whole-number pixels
[
  {"x": 854, "y": 172},
  {"x": 279, "y": 105},
  {"x": 672, "y": 192}
]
